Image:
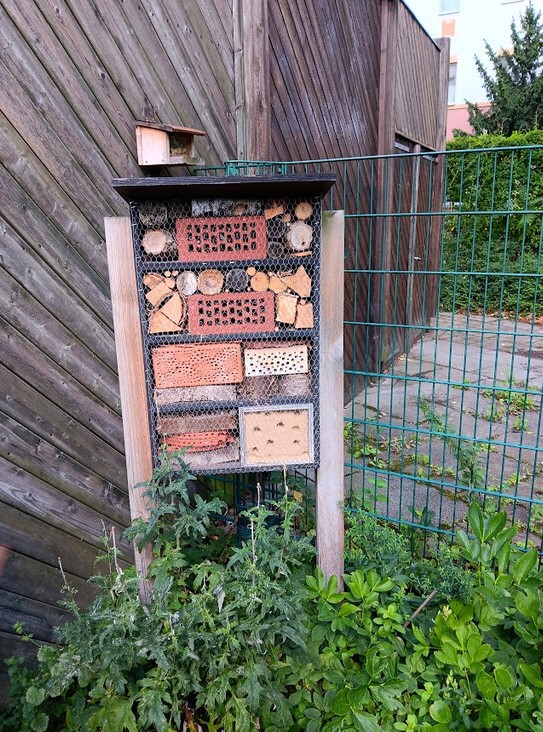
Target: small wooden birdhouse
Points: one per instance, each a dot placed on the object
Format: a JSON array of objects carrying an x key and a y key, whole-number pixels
[{"x": 159, "y": 144}]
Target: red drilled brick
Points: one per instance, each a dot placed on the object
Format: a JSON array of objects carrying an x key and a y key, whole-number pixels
[
  {"x": 231, "y": 312},
  {"x": 199, "y": 441},
  {"x": 219, "y": 238},
  {"x": 197, "y": 365}
]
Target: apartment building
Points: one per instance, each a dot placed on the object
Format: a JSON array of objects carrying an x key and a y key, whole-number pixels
[{"x": 468, "y": 23}]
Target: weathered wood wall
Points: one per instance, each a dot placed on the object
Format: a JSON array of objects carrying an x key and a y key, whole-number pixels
[
  {"x": 413, "y": 109},
  {"x": 348, "y": 79},
  {"x": 73, "y": 78},
  {"x": 418, "y": 99},
  {"x": 324, "y": 66}
]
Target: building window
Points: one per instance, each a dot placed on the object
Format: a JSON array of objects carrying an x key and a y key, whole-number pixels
[
  {"x": 449, "y": 6},
  {"x": 452, "y": 83}
]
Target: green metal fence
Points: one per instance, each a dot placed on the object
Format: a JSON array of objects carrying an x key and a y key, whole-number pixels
[{"x": 443, "y": 332}]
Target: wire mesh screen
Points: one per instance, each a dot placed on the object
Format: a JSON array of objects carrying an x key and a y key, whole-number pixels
[
  {"x": 229, "y": 304},
  {"x": 443, "y": 333}
]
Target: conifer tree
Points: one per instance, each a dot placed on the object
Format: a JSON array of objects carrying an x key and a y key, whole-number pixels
[{"x": 514, "y": 85}]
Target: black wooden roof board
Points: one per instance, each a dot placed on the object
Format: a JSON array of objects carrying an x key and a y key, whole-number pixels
[{"x": 235, "y": 186}]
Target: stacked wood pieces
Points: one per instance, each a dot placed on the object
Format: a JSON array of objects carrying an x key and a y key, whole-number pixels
[
  {"x": 169, "y": 293},
  {"x": 168, "y": 306},
  {"x": 287, "y": 233}
]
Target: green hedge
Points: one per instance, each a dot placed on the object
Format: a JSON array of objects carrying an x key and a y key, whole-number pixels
[{"x": 506, "y": 241}]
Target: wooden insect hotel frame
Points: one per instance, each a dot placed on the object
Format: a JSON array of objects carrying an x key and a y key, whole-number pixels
[{"x": 239, "y": 354}]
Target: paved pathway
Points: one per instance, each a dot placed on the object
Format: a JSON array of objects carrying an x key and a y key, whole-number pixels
[{"x": 455, "y": 367}]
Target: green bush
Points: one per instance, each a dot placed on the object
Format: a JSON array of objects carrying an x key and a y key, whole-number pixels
[
  {"x": 473, "y": 665},
  {"x": 254, "y": 643},
  {"x": 504, "y": 247},
  {"x": 372, "y": 544}
]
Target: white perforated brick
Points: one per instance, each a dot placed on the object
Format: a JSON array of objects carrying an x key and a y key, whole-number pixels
[{"x": 276, "y": 361}]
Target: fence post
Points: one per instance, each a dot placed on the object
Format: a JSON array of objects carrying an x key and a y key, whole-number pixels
[
  {"x": 330, "y": 489},
  {"x": 129, "y": 347}
]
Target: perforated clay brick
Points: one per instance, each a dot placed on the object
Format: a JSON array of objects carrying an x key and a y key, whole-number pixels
[
  {"x": 277, "y": 360},
  {"x": 199, "y": 441},
  {"x": 231, "y": 312},
  {"x": 197, "y": 365},
  {"x": 225, "y": 238}
]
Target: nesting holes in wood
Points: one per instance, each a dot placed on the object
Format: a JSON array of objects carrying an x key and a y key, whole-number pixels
[{"x": 276, "y": 436}]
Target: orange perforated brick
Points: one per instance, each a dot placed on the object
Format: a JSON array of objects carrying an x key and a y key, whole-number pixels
[
  {"x": 199, "y": 441},
  {"x": 197, "y": 365},
  {"x": 221, "y": 238},
  {"x": 231, "y": 312}
]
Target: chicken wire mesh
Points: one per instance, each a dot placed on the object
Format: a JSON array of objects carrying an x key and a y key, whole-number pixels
[{"x": 229, "y": 303}]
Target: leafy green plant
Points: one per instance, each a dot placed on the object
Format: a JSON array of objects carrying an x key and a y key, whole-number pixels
[
  {"x": 249, "y": 640},
  {"x": 470, "y": 665},
  {"x": 122, "y": 665},
  {"x": 375, "y": 545},
  {"x": 519, "y": 424},
  {"x": 485, "y": 255}
]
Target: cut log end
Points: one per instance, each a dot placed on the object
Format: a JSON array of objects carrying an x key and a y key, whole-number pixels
[
  {"x": 260, "y": 282},
  {"x": 236, "y": 280},
  {"x": 210, "y": 281},
  {"x": 187, "y": 283},
  {"x": 303, "y": 210},
  {"x": 157, "y": 241},
  {"x": 300, "y": 236}
]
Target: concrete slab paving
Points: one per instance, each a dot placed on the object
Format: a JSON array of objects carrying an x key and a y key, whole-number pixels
[{"x": 484, "y": 377}]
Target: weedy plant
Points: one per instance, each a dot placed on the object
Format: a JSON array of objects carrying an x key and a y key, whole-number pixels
[
  {"x": 247, "y": 640},
  {"x": 201, "y": 652}
]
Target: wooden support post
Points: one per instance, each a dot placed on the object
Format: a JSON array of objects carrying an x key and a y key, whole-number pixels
[
  {"x": 438, "y": 180},
  {"x": 330, "y": 474},
  {"x": 129, "y": 347},
  {"x": 381, "y": 304},
  {"x": 252, "y": 79}
]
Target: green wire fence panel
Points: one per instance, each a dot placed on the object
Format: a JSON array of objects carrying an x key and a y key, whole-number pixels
[{"x": 443, "y": 332}]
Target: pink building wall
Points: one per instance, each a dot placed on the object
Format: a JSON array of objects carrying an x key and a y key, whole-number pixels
[{"x": 457, "y": 118}]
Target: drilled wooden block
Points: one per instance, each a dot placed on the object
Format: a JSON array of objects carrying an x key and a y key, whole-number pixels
[
  {"x": 199, "y": 441},
  {"x": 221, "y": 393},
  {"x": 197, "y": 365},
  {"x": 180, "y": 423},
  {"x": 277, "y": 360},
  {"x": 221, "y": 238},
  {"x": 276, "y": 436},
  {"x": 231, "y": 312}
]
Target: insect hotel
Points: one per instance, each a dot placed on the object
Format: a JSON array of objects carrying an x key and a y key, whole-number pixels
[{"x": 227, "y": 347}]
